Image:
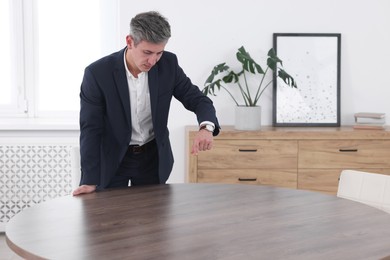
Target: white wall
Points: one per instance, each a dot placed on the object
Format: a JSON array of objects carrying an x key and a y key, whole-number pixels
[{"x": 205, "y": 33}]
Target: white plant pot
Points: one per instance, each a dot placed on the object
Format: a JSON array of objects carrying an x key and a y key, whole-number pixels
[{"x": 248, "y": 118}]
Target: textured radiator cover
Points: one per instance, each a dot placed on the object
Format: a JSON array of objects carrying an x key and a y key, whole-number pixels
[{"x": 30, "y": 174}]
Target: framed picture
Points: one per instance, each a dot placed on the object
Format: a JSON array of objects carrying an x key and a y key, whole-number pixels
[{"x": 313, "y": 60}]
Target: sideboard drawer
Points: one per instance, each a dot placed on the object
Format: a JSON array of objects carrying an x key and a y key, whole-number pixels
[
  {"x": 344, "y": 154},
  {"x": 274, "y": 177},
  {"x": 326, "y": 180},
  {"x": 249, "y": 154},
  {"x": 323, "y": 180}
]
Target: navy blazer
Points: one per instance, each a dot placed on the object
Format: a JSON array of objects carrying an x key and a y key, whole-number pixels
[{"x": 105, "y": 118}]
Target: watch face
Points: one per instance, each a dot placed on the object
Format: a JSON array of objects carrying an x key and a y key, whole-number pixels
[{"x": 209, "y": 128}]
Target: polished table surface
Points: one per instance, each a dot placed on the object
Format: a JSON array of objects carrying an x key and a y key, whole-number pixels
[{"x": 200, "y": 221}]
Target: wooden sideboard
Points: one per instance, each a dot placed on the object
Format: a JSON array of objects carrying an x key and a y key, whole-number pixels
[{"x": 309, "y": 158}]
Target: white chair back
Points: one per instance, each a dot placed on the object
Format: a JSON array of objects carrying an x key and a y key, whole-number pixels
[
  {"x": 75, "y": 164},
  {"x": 369, "y": 188}
]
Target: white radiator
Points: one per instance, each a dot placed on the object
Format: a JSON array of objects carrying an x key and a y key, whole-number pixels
[{"x": 30, "y": 174}]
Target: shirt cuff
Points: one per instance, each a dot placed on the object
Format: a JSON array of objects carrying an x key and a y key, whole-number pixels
[{"x": 207, "y": 123}]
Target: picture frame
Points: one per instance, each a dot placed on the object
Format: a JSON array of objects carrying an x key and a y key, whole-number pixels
[{"x": 313, "y": 60}]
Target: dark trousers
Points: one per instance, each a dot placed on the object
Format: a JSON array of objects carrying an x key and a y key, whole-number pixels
[{"x": 139, "y": 166}]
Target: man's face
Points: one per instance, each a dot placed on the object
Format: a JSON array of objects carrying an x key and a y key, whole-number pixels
[{"x": 143, "y": 56}]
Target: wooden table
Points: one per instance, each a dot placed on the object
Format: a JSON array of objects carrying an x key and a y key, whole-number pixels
[{"x": 200, "y": 221}]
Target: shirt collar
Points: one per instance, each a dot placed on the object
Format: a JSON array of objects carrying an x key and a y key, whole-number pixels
[{"x": 128, "y": 73}]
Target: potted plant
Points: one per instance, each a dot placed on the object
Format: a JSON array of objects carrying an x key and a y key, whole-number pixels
[{"x": 223, "y": 76}]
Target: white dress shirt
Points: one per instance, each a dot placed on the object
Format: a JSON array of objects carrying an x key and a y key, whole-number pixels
[{"x": 141, "y": 114}]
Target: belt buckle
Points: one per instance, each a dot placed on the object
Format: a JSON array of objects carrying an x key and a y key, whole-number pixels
[{"x": 138, "y": 149}]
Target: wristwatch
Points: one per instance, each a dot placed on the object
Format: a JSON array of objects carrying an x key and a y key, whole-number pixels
[{"x": 207, "y": 127}]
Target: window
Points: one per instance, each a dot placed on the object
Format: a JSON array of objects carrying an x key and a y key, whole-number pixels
[
  {"x": 58, "y": 40},
  {"x": 5, "y": 52},
  {"x": 11, "y": 85}
]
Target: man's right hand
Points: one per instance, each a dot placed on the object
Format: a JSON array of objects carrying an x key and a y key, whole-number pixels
[{"x": 84, "y": 189}]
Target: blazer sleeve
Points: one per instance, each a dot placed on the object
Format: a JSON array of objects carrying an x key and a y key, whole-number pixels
[
  {"x": 193, "y": 99},
  {"x": 91, "y": 126}
]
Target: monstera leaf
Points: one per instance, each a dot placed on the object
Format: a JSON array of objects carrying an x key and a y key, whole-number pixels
[{"x": 223, "y": 76}]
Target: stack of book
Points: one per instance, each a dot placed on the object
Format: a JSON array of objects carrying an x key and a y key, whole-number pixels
[{"x": 367, "y": 120}]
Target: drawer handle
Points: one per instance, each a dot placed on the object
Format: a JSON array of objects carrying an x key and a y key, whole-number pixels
[
  {"x": 348, "y": 150},
  {"x": 247, "y": 150},
  {"x": 247, "y": 179}
]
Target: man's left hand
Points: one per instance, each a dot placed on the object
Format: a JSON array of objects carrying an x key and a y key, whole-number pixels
[{"x": 203, "y": 141}]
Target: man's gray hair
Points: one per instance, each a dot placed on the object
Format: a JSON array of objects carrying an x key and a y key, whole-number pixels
[{"x": 151, "y": 27}]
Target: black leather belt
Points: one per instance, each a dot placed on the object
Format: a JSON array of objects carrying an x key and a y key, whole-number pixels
[{"x": 141, "y": 148}]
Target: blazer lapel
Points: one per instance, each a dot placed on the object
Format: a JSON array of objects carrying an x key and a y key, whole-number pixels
[
  {"x": 122, "y": 86},
  {"x": 153, "y": 89}
]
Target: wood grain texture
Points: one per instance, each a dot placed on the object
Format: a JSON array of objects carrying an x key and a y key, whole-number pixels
[
  {"x": 316, "y": 155},
  {"x": 309, "y": 133},
  {"x": 327, "y": 180},
  {"x": 344, "y": 154},
  {"x": 274, "y": 177},
  {"x": 249, "y": 154},
  {"x": 200, "y": 221}
]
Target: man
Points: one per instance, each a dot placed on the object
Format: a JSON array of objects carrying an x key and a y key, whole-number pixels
[{"x": 125, "y": 100}]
